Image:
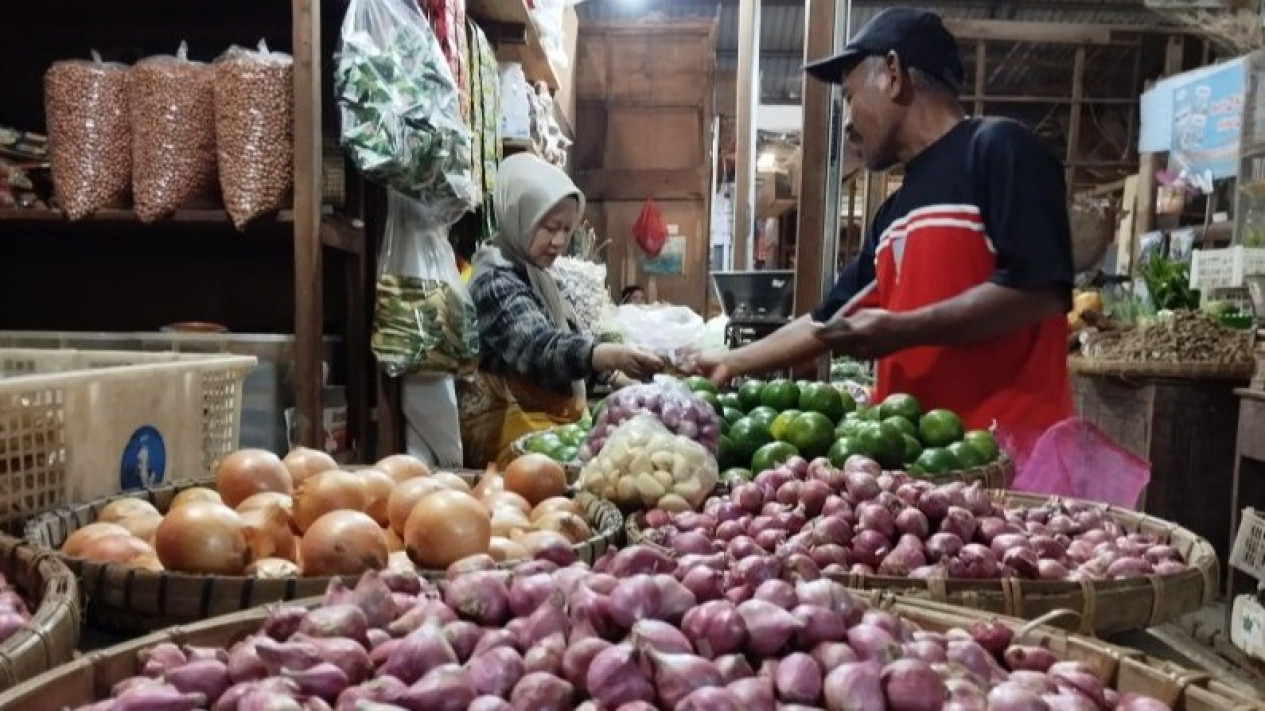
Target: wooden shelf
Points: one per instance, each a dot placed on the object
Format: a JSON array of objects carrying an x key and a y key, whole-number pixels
[{"x": 336, "y": 232}]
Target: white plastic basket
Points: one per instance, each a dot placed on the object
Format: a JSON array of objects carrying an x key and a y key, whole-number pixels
[
  {"x": 1224, "y": 268},
  {"x": 81, "y": 425},
  {"x": 1248, "y": 553}
]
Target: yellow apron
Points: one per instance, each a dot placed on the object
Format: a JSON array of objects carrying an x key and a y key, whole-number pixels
[{"x": 497, "y": 410}]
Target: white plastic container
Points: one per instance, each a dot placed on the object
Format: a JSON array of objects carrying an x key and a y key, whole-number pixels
[{"x": 81, "y": 425}]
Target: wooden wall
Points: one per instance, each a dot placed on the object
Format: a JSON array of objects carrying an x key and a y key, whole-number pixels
[{"x": 644, "y": 94}]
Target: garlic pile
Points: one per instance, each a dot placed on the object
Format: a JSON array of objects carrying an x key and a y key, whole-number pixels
[{"x": 643, "y": 464}]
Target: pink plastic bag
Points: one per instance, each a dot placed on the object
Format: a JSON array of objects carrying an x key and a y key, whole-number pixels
[{"x": 1074, "y": 458}]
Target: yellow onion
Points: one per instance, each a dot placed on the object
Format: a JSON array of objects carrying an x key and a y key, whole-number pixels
[{"x": 204, "y": 538}]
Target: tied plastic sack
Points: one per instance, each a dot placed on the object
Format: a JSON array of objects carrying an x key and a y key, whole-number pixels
[
  {"x": 89, "y": 134},
  {"x": 645, "y": 464},
  {"x": 400, "y": 108},
  {"x": 424, "y": 319},
  {"x": 665, "y": 399},
  {"x": 649, "y": 230},
  {"x": 667, "y": 331},
  {"x": 1074, "y": 458}
]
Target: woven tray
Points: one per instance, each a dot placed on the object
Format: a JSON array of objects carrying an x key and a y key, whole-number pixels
[
  {"x": 1080, "y": 365},
  {"x": 52, "y": 594},
  {"x": 1103, "y": 606},
  {"x": 518, "y": 448},
  {"x": 90, "y": 678},
  {"x": 129, "y": 600},
  {"x": 996, "y": 475}
]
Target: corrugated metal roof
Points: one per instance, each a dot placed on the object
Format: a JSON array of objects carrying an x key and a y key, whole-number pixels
[{"x": 1014, "y": 68}]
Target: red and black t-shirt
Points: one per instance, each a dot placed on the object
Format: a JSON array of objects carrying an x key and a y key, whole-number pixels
[{"x": 985, "y": 203}]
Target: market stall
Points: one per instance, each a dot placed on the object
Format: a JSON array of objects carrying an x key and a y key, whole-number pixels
[{"x": 224, "y": 526}]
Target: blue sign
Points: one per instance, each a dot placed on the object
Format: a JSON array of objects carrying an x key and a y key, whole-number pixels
[
  {"x": 1208, "y": 121},
  {"x": 144, "y": 460}
]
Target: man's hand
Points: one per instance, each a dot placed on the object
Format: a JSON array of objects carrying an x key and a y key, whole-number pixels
[
  {"x": 867, "y": 335},
  {"x": 713, "y": 367}
]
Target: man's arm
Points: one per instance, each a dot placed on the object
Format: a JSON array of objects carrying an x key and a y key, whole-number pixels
[
  {"x": 979, "y": 314},
  {"x": 788, "y": 346}
]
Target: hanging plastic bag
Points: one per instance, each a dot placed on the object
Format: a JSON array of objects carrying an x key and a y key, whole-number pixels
[
  {"x": 424, "y": 320},
  {"x": 89, "y": 134},
  {"x": 1074, "y": 458},
  {"x": 172, "y": 100},
  {"x": 254, "y": 131},
  {"x": 400, "y": 109},
  {"x": 649, "y": 230}
]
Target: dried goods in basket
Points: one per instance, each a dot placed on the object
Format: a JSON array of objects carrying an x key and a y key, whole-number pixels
[
  {"x": 1024, "y": 575},
  {"x": 51, "y": 594},
  {"x": 133, "y": 599},
  {"x": 1185, "y": 344},
  {"x": 1116, "y": 677}
]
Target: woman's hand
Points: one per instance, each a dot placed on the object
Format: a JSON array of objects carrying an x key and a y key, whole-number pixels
[{"x": 633, "y": 362}]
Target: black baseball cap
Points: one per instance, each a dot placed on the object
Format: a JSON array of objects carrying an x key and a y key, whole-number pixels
[{"x": 918, "y": 37}]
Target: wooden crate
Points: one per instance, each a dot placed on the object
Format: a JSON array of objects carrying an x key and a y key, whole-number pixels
[{"x": 1186, "y": 430}]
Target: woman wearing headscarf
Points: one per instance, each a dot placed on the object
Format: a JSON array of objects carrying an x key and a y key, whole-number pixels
[{"x": 534, "y": 361}]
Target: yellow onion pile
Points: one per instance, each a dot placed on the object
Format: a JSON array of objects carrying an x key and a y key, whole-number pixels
[{"x": 303, "y": 515}]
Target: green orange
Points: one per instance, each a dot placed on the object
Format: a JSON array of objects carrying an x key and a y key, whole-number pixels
[{"x": 811, "y": 433}]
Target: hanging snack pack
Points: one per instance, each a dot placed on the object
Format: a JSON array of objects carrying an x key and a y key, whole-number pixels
[
  {"x": 424, "y": 320},
  {"x": 486, "y": 120},
  {"x": 254, "y": 131},
  {"x": 173, "y": 134},
  {"x": 400, "y": 108},
  {"x": 89, "y": 135}
]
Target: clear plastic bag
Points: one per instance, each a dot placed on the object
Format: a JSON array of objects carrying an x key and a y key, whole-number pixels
[
  {"x": 400, "y": 108},
  {"x": 666, "y": 331},
  {"x": 254, "y": 131},
  {"x": 645, "y": 464},
  {"x": 665, "y": 399},
  {"x": 1075, "y": 458},
  {"x": 516, "y": 111},
  {"x": 89, "y": 134},
  {"x": 173, "y": 134},
  {"x": 424, "y": 320}
]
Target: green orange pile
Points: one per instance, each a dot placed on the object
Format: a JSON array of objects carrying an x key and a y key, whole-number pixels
[{"x": 765, "y": 423}]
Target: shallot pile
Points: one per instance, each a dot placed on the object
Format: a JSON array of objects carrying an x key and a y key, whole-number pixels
[
  {"x": 639, "y": 631},
  {"x": 666, "y": 400},
  {"x": 14, "y": 614},
  {"x": 863, "y": 521}
]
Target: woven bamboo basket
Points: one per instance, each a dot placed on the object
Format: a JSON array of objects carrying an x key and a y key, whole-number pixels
[
  {"x": 519, "y": 447},
  {"x": 129, "y": 600},
  {"x": 1103, "y": 606},
  {"x": 52, "y": 594},
  {"x": 1081, "y": 365},
  {"x": 995, "y": 475},
  {"x": 90, "y": 678}
]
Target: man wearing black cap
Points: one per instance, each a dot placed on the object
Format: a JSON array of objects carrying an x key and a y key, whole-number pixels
[{"x": 962, "y": 284}]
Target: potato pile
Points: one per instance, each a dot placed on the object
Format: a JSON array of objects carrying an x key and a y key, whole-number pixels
[{"x": 303, "y": 515}]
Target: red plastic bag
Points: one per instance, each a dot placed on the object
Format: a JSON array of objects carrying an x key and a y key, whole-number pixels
[
  {"x": 649, "y": 230},
  {"x": 1074, "y": 458}
]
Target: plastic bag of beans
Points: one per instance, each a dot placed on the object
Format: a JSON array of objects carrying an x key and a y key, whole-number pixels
[
  {"x": 254, "y": 131},
  {"x": 173, "y": 134},
  {"x": 89, "y": 135}
]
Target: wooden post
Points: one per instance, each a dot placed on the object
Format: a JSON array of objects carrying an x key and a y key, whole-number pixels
[
  {"x": 1149, "y": 163},
  {"x": 981, "y": 75},
  {"x": 810, "y": 262},
  {"x": 748, "y": 99},
  {"x": 1074, "y": 122},
  {"x": 308, "y": 273}
]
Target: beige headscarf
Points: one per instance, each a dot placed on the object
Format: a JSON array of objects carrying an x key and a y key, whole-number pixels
[{"x": 527, "y": 188}]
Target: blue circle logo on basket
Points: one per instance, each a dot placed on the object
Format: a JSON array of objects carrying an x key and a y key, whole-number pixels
[{"x": 144, "y": 460}]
